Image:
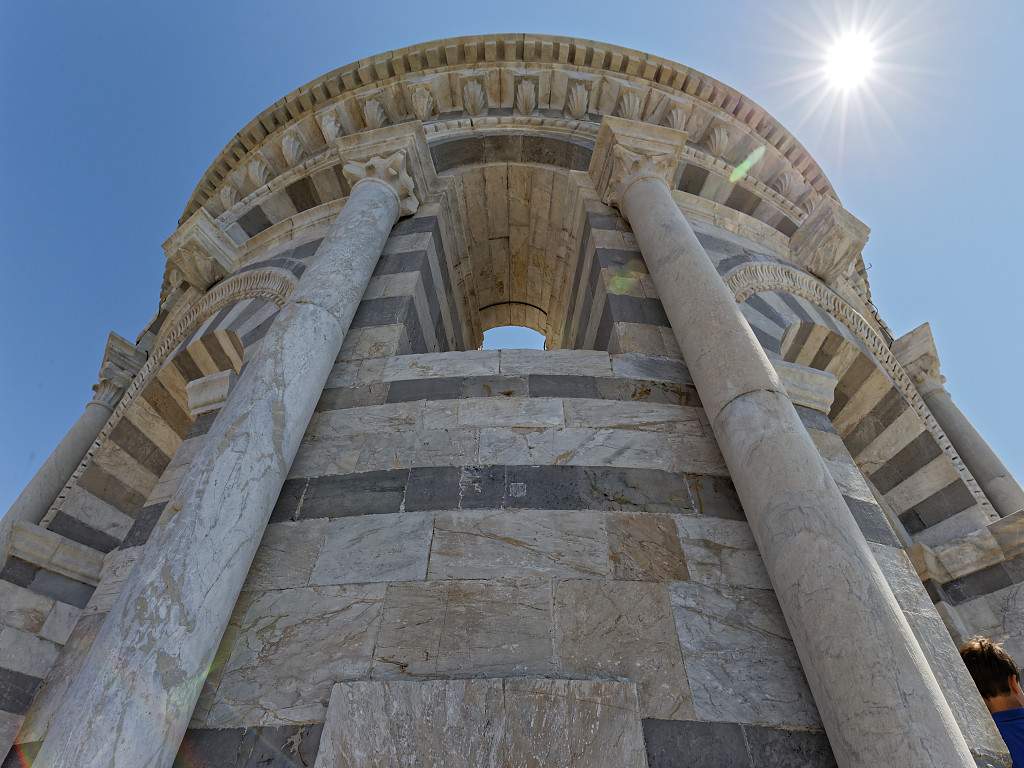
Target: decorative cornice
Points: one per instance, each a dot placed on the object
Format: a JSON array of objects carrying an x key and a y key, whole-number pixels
[
  {"x": 272, "y": 284},
  {"x": 588, "y": 66},
  {"x": 757, "y": 277}
]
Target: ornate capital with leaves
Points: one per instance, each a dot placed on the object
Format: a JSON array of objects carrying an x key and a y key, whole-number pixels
[{"x": 389, "y": 171}]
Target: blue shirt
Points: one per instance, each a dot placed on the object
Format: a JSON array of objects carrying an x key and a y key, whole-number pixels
[{"x": 1011, "y": 727}]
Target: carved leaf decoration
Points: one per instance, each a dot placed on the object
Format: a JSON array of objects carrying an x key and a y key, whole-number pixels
[
  {"x": 631, "y": 105},
  {"x": 330, "y": 126},
  {"x": 422, "y": 103},
  {"x": 292, "y": 147},
  {"x": 259, "y": 172},
  {"x": 786, "y": 184},
  {"x": 576, "y": 103},
  {"x": 228, "y": 196},
  {"x": 374, "y": 114},
  {"x": 474, "y": 100},
  {"x": 526, "y": 97},
  {"x": 677, "y": 117},
  {"x": 717, "y": 140}
]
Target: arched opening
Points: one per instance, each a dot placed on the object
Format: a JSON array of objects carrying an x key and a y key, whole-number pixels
[{"x": 512, "y": 337}]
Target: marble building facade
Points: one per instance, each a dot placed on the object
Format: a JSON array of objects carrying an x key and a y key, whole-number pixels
[{"x": 725, "y": 518}]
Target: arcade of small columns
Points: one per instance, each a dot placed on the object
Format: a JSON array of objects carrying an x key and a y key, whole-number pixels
[{"x": 148, "y": 663}]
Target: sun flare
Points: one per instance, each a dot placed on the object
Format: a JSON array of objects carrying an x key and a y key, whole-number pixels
[{"x": 849, "y": 61}]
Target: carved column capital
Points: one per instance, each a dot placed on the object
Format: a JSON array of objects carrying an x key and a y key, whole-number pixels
[
  {"x": 391, "y": 172},
  {"x": 121, "y": 361},
  {"x": 917, "y": 353},
  {"x": 396, "y": 156},
  {"x": 627, "y": 151},
  {"x": 829, "y": 242},
  {"x": 630, "y": 167},
  {"x": 201, "y": 251}
]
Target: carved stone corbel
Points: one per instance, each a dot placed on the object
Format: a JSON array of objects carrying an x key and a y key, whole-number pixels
[
  {"x": 829, "y": 242},
  {"x": 919, "y": 357},
  {"x": 121, "y": 361},
  {"x": 202, "y": 251}
]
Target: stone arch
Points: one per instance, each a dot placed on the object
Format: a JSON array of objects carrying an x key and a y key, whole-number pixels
[
  {"x": 885, "y": 433},
  {"x": 99, "y": 504},
  {"x": 754, "y": 279}
]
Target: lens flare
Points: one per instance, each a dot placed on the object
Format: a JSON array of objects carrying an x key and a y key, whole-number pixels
[
  {"x": 849, "y": 61},
  {"x": 741, "y": 170}
]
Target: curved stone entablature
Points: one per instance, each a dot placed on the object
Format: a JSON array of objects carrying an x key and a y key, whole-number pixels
[{"x": 491, "y": 75}]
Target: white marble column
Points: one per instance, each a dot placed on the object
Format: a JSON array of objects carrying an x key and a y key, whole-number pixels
[
  {"x": 121, "y": 361},
  {"x": 132, "y": 701},
  {"x": 917, "y": 354},
  {"x": 876, "y": 694}
]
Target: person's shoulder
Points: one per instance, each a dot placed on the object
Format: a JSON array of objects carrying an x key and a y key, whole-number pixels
[{"x": 1010, "y": 716}]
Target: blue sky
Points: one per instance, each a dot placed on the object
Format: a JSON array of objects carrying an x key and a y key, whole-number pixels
[{"x": 111, "y": 111}]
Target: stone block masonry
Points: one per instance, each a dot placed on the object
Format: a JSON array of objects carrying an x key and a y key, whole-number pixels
[{"x": 306, "y": 522}]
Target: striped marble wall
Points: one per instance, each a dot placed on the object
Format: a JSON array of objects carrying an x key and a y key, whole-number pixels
[{"x": 888, "y": 439}]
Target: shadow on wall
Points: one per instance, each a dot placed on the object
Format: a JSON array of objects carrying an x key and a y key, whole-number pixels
[{"x": 512, "y": 337}]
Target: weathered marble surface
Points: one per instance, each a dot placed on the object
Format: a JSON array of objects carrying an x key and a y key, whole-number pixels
[
  {"x": 292, "y": 645},
  {"x": 739, "y": 658},
  {"x": 624, "y": 630},
  {"x": 500, "y": 543},
  {"x": 350, "y": 550},
  {"x": 645, "y": 547},
  {"x": 721, "y": 552},
  {"x": 458, "y": 628},
  {"x": 835, "y": 600},
  {"x": 497, "y": 723},
  {"x": 151, "y": 655}
]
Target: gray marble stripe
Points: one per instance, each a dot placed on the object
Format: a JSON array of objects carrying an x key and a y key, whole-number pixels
[
  {"x": 889, "y": 408},
  {"x": 533, "y": 385},
  {"x": 942, "y": 504},
  {"x": 111, "y": 489},
  {"x": 17, "y": 691},
  {"x": 76, "y": 530},
  {"x": 46, "y": 583},
  {"x": 694, "y": 744},
  {"x": 979, "y": 583},
  {"x": 602, "y": 489},
  {"x": 574, "y": 288},
  {"x": 910, "y": 459},
  {"x": 253, "y": 221}
]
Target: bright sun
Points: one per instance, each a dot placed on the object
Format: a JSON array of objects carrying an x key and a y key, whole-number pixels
[{"x": 849, "y": 61}]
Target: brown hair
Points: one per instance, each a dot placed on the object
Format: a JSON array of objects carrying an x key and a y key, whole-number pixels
[{"x": 989, "y": 665}]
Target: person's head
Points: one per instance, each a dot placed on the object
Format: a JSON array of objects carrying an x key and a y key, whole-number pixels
[{"x": 994, "y": 672}]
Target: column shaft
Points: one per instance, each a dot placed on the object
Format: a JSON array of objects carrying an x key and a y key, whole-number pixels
[
  {"x": 995, "y": 479},
  {"x": 42, "y": 490},
  {"x": 877, "y": 697},
  {"x": 138, "y": 687}
]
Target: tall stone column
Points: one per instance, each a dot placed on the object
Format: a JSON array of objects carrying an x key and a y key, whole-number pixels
[
  {"x": 917, "y": 354},
  {"x": 132, "y": 701},
  {"x": 876, "y": 694},
  {"x": 121, "y": 361}
]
